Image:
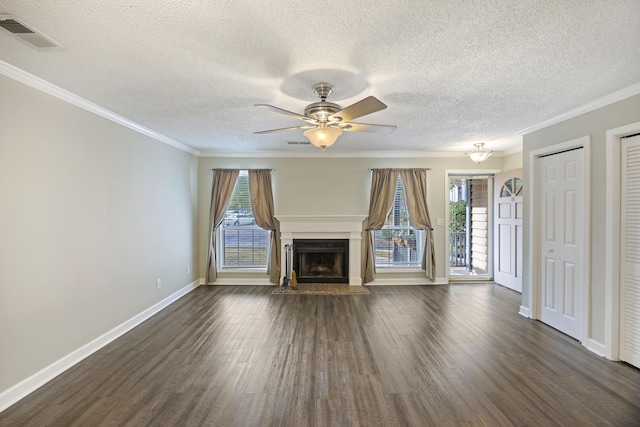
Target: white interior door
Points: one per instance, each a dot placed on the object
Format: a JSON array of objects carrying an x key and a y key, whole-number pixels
[
  {"x": 562, "y": 243},
  {"x": 630, "y": 251},
  {"x": 508, "y": 230}
]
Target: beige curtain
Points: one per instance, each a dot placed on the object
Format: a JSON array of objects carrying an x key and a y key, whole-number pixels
[
  {"x": 414, "y": 182},
  {"x": 224, "y": 180},
  {"x": 263, "y": 210},
  {"x": 383, "y": 190}
]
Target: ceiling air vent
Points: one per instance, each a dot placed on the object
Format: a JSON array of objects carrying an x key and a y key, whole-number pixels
[
  {"x": 298, "y": 142},
  {"x": 24, "y": 33}
]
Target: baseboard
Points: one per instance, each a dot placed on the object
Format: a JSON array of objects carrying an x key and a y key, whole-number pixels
[
  {"x": 29, "y": 385},
  {"x": 410, "y": 281},
  {"x": 597, "y": 347},
  {"x": 233, "y": 281},
  {"x": 524, "y": 311}
]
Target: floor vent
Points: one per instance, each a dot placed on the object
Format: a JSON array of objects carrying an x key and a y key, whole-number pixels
[{"x": 26, "y": 34}]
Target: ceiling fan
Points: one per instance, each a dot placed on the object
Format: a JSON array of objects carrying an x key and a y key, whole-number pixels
[{"x": 326, "y": 120}]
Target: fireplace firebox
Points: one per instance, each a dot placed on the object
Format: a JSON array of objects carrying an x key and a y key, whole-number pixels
[{"x": 321, "y": 260}]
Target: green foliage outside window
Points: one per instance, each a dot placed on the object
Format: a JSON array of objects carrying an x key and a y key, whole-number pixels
[
  {"x": 241, "y": 199},
  {"x": 458, "y": 216}
]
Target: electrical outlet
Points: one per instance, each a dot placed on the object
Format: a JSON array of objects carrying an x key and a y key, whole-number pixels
[
  {"x": 440, "y": 221},
  {"x": 158, "y": 284}
]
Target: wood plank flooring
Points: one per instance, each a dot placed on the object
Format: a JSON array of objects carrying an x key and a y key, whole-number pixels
[{"x": 401, "y": 356}]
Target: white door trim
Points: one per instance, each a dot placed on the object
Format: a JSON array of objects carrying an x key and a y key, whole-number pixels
[
  {"x": 533, "y": 225},
  {"x": 448, "y": 172},
  {"x": 612, "y": 239}
]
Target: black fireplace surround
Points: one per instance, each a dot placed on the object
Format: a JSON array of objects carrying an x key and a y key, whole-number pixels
[{"x": 321, "y": 260}]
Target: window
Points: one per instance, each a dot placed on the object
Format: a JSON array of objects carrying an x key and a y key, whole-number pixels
[
  {"x": 398, "y": 243},
  {"x": 511, "y": 187},
  {"x": 243, "y": 243}
]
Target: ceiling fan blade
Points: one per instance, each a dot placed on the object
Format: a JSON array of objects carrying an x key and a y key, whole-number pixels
[
  {"x": 283, "y": 129},
  {"x": 361, "y": 108},
  {"x": 365, "y": 127},
  {"x": 286, "y": 112}
]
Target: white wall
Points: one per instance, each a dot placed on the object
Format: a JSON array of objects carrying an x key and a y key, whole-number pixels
[
  {"x": 324, "y": 185},
  {"x": 512, "y": 162},
  {"x": 91, "y": 213},
  {"x": 594, "y": 124}
]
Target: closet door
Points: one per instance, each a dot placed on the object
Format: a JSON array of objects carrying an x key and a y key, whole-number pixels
[
  {"x": 562, "y": 247},
  {"x": 630, "y": 251}
]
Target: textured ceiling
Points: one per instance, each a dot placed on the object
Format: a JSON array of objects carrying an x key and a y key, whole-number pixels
[{"x": 452, "y": 72}]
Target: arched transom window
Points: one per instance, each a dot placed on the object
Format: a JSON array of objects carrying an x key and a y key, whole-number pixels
[{"x": 511, "y": 188}]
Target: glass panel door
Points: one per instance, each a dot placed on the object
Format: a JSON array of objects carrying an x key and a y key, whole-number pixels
[{"x": 470, "y": 237}]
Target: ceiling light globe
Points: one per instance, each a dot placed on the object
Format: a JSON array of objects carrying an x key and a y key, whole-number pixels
[
  {"x": 323, "y": 137},
  {"x": 479, "y": 154}
]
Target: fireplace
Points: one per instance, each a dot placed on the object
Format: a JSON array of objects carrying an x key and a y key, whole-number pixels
[
  {"x": 321, "y": 260},
  {"x": 326, "y": 227}
]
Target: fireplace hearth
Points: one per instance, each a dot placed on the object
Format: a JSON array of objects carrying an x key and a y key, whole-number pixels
[{"x": 321, "y": 260}]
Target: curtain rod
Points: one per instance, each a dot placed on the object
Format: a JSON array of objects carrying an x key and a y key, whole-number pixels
[
  {"x": 373, "y": 169},
  {"x": 229, "y": 169}
]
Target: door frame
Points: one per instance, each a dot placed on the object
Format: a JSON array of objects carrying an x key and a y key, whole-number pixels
[
  {"x": 611, "y": 346},
  {"x": 469, "y": 172},
  {"x": 533, "y": 226}
]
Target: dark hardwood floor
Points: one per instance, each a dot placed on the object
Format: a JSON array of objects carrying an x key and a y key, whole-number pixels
[{"x": 419, "y": 356}]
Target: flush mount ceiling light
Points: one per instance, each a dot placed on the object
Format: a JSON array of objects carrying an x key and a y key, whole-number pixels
[{"x": 479, "y": 154}]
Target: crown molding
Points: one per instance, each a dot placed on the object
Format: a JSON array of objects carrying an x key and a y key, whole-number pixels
[
  {"x": 619, "y": 95},
  {"x": 378, "y": 154},
  {"x": 37, "y": 83}
]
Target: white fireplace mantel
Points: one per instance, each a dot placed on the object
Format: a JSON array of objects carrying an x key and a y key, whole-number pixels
[{"x": 326, "y": 227}]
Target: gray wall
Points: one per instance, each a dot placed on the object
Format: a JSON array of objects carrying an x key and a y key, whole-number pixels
[
  {"x": 91, "y": 214},
  {"x": 594, "y": 124}
]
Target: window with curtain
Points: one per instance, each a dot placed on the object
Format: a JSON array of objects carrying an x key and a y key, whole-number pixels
[
  {"x": 398, "y": 243},
  {"x": 243, "y": 243}
]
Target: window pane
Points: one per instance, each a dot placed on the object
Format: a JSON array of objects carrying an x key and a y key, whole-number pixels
[
  {"x": 518, "y": 187},
  {"x": 398, "y": 244},
  {"x": 507, "y": 189},
  {"x": 244, "y": 244}
]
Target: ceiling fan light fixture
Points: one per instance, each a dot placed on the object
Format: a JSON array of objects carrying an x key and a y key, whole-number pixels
[
  {"x": 323, "y": 136},
  {"x": 479, "y": 154},
  {"x": 329, "y": 120}
]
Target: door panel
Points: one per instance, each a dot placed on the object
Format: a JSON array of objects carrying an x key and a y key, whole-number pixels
[
  {"x": 550, "y": 283},
  {"x": 504, "y": 210},
  {"x": 561, "y": 249},
  {"x": 519, "y": 249},
  {"x": 504, "y": 245},
  {"x": 569, "y": 289},
  {"x": 569, "y": 218},
  {"x": 549, "y": 212}
]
